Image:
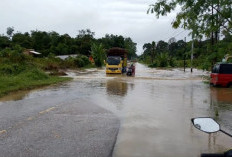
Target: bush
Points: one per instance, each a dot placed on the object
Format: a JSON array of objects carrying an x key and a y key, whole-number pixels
[
  {"x": 85, "y": 59},
  {"x": 36, "y": 74},
  {"x": 163, "y": 60},
  {"x": 11, "y": 69},
  {"x": 81, "y": 61},
  {"x": 70, "y": 62},
  {"x": 172, "y": 62},
  {"x": 14, "y": 55},
  {"x": 206, "y": 66},
  {"x": 153, "y": 65}
]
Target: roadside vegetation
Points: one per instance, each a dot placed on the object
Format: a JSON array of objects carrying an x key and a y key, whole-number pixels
[
  {"x": 20, "y": 71},
  {"x": 175, "y": 53},
  {"x": 210, "y": 26}
]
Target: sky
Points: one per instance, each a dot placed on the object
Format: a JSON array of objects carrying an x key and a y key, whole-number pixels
[{"x": 128, "y": 18}]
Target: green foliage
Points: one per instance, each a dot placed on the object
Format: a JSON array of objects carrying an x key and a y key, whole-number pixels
[
  {"x": 172, "y": 62},
  {"x": 205, "y": 55},
  {"x": 27, "y": 80},
  {"x": 4, "y": 42},
  {"x": 36, "y": 74},
  {"x": 11, "y": 69},
  {"x": 24, "y": 40},
  {"x": 81, "y": 61},
  {"x": 98, "y": 54},
  {"x": 162, "y": 60},
  {"x": 202, "y": 17},
  {"x": 164, "y": 54},
  {"x": 52, "y": 42},
  {"x": 110, "y": 41},
  {"x": 14, "y": 55},
  {"x": 24, "y": 73}
]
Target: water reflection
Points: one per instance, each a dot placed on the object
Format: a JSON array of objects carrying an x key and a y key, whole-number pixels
[
  {"x": 221, "y": 95},
  {"x": 15, "y": 96},
  {"x": 115, "y": 87},
  {"x": 221, "y": 105}
]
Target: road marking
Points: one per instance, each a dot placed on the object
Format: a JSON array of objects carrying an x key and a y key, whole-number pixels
[
  {"x": 29, "y": 118},
  {"x": 56, "y": 135},
  {"x": 47, "y": 110},
  {"x": 3, "y": 132}
]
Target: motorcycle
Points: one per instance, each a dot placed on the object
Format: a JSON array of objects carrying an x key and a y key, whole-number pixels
[
  {"x": 209, "y": 125},
  {"x": 131, "y": 70}
]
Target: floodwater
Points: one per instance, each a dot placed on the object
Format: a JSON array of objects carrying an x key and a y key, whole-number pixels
[{"x": 155, "y": 108}]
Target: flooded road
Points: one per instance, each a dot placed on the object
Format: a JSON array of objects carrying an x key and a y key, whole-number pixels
[{"x": 154, "y": 108}]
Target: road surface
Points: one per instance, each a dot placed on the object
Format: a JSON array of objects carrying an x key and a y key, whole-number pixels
[{"x": 113, "y": 115}]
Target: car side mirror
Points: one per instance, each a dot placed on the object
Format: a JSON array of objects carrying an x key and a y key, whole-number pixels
[{"x": 206, "y": 124}]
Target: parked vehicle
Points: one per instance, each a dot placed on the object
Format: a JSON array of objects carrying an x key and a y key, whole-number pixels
[
  {"x": 209, "y": 125},
  {"x": 221, "y": 75}
]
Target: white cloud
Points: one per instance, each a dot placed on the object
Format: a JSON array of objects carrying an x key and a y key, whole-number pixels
[{"x": 121, "y": 17}]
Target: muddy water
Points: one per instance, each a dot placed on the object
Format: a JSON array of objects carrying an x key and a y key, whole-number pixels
[{"x": 155, "y": 108}]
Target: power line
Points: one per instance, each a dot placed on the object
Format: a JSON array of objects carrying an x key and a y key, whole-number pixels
[{"x": 175, "y": 35}]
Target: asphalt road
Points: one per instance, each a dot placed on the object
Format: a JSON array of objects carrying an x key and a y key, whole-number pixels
[
  {"x": 57, "y": 129},
  {"x": 97, "y": 115}
]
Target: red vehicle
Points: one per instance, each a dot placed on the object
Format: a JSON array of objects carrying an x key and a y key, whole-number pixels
[{"x": 221, "y": 75}]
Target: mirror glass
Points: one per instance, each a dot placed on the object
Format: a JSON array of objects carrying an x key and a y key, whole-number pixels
[{"x": 206, "y": 124}]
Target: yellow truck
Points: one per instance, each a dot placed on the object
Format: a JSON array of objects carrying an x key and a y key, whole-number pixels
[{"x": 116, "y": 62}]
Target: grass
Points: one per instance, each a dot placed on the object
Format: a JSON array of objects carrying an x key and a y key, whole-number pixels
[
  {"x": 22, "y": 72},
  {"x": 27, "y": 80}
]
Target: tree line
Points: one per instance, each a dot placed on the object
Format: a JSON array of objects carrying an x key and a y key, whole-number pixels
[
  {"x": 210, "y": 25},
  {"x": 174, "y": 53},
  {"x": 57, "y": 44}
]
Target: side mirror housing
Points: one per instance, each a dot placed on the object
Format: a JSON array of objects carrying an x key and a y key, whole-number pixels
[{"x": 206, "y": 124}]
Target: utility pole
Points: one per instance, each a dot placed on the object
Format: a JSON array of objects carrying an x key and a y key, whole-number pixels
[
  {"x": 184, "y": 52},
  {"x": 192, "y": 54}
]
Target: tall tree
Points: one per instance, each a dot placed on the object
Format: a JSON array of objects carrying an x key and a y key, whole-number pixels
[
  {"x": 147, "y": 47},
  {"x": 84, "y": 41},
  {"x": 162, "y": 47},
  {"x": 9, "y": 31},
  {"x": 202, "y": 17},
  {"x": 153, "y": 47}
]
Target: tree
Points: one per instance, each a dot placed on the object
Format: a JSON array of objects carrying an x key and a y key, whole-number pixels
[
  {"x": 9, "y": 31},
  {"x": 171, "y": 40},
  {"x": 40, "y": 40},
  {"x": 98, "y": 53},
  {"x": 181, "y": 45},
  {"x": 24, "y": 40},
  {"x": 153, "y": 46},
  {"x": 110, "y": 41},
  {"x": 130, "y": 46},
  {"x": 85, "y": 33},
  {"x": 84, "y": 41},
  {"x": 162, "y": 47},
  {"x": 149, "y": 50},
  {"x": 202, "y": 17},
  {"x": 172, "y": 46},
  {"x": 4, "y": 42}
]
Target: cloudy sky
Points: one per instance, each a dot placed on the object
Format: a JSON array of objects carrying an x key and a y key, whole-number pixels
[{"x": 118, "y": 17}]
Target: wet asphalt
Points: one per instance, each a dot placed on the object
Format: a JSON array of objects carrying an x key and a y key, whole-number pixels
[
  {"x": 57, "y": 129},
  {"x": 98, "y": 115}
]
